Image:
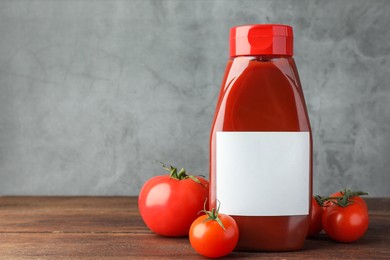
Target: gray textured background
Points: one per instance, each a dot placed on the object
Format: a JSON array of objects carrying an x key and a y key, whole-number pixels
[{"x": 94, "y": 93}]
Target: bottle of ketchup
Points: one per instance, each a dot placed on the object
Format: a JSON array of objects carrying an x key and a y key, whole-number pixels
[{"x": 261, "y": 142}]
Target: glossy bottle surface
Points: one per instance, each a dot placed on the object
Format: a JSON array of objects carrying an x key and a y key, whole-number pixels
[{"x": 262, "y": 94}]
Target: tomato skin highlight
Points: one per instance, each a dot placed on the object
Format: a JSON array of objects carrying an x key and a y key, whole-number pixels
[
  {"x": 346, "y": 224},
  {"x": 315, "y": 218},
  {"x": 169, "y": 206},
  {"x": 210, "y": 240}
]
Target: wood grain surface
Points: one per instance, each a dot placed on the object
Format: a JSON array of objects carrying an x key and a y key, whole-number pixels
[{"x": 111, "y": 228}]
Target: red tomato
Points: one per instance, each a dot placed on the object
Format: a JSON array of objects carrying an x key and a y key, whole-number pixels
[
  {"x": 315, "y": 218},
  {"x": 168, "y": 205},
  {"x": 345, "y": 224},
  {"x": 209, "y": 239}
]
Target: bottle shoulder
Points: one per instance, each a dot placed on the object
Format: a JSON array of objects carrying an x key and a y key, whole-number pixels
[{"x": 261, "y": 94}]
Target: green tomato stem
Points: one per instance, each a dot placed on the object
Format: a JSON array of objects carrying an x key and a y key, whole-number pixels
[
  {"x": 213, "y": 216},
  {"x": 181, "y": 175},
  {"x": 343, "y": 201}
]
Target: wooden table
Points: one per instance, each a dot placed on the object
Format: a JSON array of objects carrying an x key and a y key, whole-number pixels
[{"x": 111, "y": 227}]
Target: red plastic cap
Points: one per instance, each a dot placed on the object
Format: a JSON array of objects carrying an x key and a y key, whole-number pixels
[{"x": 261, "y": 39}]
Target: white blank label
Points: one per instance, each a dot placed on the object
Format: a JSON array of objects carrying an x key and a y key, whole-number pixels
[{"x": 263, "y": 173}]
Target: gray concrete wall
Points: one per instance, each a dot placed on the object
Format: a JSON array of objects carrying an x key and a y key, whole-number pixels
[{"x": 93, "y": 94}]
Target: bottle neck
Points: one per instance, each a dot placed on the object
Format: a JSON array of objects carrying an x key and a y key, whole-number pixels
[{"x": 262, "y": 57}]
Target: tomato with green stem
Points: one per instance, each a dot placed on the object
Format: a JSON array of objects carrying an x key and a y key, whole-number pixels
[
  {"x": 214, "y": 234},
  {"x": 168, "y": 204},
  {"x": 346, "y": 218}
]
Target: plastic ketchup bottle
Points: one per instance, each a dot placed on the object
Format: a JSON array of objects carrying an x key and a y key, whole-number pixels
[{"x": 261, "y": 142}]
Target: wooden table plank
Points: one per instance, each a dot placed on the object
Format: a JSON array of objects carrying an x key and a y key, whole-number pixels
[
  {"x": 70, "y": 214},
  {"x": 86, "y": 246},
  {"x": 111, "y": 228}
]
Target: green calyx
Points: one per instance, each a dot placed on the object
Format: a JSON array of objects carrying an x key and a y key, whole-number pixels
[
  {"x": 343, "y": 201},
  {"x": 213, "y": 216},
  {"x": 181, "y": 175}
]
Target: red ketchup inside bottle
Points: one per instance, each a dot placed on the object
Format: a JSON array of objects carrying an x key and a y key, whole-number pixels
[{"x": 261, "y": 142}]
